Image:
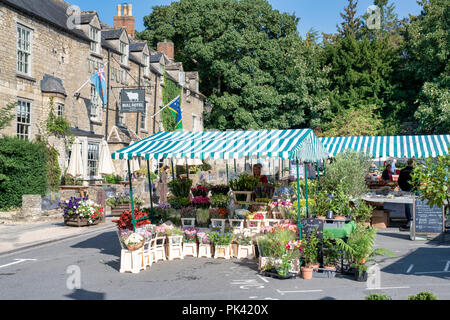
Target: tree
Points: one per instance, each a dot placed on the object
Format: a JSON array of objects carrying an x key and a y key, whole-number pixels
[
  {"x": 250, "y": 58},
  {"x": 351, "y": 26},
  {"x": 428, "y": 51},
  {"x": 6, "y": 116}
]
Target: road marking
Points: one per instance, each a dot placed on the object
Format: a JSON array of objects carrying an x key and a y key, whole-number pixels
[
  {"x": 388, "y": 288},
  {"x": 410, "y": 268},
  {"x": 18, "y": 261},
  {"x": 431, "y": 272},
  {"x": 447, "y": 266},
  {"x": 299, "y": 291},
  {"x": 262, "y": 278},
  {"x": 247, "y": 284}
]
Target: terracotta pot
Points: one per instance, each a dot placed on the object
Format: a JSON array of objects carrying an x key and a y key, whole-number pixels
[
  {"x": 321, "y": 218},
  {"x": 329, "y": 267},
  {"x": 315, "y": 265},
  {"x": 307, "y": 273},
  {"x": 339, "y": 218}
]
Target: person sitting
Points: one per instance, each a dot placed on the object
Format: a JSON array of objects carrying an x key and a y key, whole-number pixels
[
  {"x": 404, "y": 182},
  {"x": 257, "y": 173},
  {"x": 387, "y": 173}
]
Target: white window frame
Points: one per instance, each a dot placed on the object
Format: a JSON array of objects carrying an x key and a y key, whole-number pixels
[
  {"x": 146, "y": 59},
  {"x": 95, "y": 105},
  {"x": 195, "y": 123},
  {"x": 94, "y": 36},
  {"x": 88, "y": 161},
  {"x": 27, "y": 115},
  {"x": 60, "y": 110},
  {"x": 28, "y": 52},
  {"x": 124, "y": 53}
]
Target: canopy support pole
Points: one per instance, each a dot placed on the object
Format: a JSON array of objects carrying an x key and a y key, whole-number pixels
[
  {"x": 235, "y": 168},
  {"x": 299, "y": 210},
  {"x": 173, "y": 171},
  {"x": 227, "y": 171},
  {"x": 306, "y": 189},
  {"x": 150, "y": 187},
  {"x": 187, "y": 168},
  {"x": 131, "y": 195}
]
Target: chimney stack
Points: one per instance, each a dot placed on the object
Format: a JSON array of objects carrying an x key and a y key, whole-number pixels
[
  {"x": 125, "y": 19},
  {"x": 168, "y": 48}
]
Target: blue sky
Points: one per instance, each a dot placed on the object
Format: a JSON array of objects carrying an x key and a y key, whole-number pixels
[{"x": 322, "y": 15}]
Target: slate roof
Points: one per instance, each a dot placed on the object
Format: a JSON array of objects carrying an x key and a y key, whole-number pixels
[
  {"x": 122, "y": 135},
  {"x": 137, "y": 46},
  {"x": 50, "y": 11},
  {"x": 112, "y": 34},
  {"x": 52, "y": 84},
  {"x": 155, "y": 57},
  {"x": 86, "y": 18},
  {"x": 84, "y": 133}
]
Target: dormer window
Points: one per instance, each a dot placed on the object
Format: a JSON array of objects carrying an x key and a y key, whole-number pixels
[
  {"x": 124, "y": 52},
  {"x": 93, "y": 35}
]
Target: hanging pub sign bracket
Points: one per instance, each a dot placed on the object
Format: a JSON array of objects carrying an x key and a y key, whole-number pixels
[{"x": 132, "y": 101}]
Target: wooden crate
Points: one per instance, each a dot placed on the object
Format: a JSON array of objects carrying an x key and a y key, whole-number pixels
[{"x": 380, "y": 219}]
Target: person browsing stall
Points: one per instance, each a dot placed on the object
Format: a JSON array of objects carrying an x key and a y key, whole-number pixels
[
  {"x": 387, "y": 173},
  {"x": 257, "y": 168},
  {"x": 404, "y": 182}
]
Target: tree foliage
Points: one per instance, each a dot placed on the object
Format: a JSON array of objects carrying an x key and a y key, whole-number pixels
[{"x": 6, "y": 116}]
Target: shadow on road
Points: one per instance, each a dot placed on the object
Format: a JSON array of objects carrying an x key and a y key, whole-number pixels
[
  {"x": 81, "y": 294},
  {"x": 107, "y": 243}
]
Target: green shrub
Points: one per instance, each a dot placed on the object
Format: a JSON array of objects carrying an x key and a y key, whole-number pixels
[
  {"x": 23, "y": 170},
  {"x": 423, "y": 296},
  {"x": 377, "y": 296},
  {"x": 347, "y": 173},
  {"x": 180, "y": 187},
  {"x": 113, "y": 179},
  {"x": 179, "y": 202}
]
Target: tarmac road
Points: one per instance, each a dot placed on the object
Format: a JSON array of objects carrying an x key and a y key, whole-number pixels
[{"x": 46, "y": 272}]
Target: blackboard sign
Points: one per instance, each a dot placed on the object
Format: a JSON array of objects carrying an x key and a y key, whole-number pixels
[
  {"x": 311, "y": 225},
  {"x": 427, "y": 220}
]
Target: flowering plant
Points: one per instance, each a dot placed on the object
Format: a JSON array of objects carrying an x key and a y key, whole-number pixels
[
  {"x": 258, "y": 216},
  {"x": 281, "y": 206},
  {"x": 200, "y": 191},
  {"x": 160, "y": 231},
  {"x": 125, "y": 221},
  {"x": 200, "y": 202},
  {"x": 134, "y": 239},
  {"x": 243, "y": 236},
  {"x": 203, "y": 238},
  {"x": 266, "y": 229},
  {"x": 190, "y": 235},
  {"x": 123, "y": 199},
  {"x": 188, "y": 212},
  {"x": 164, "y": 206},
  {"x": 82, "y": 207},
  {"x": 218, "y": 213},
  {"x": 221, "y": 239}
]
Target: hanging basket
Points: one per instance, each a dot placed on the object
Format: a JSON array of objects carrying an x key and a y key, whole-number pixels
[{"x": 136, "y": 246}]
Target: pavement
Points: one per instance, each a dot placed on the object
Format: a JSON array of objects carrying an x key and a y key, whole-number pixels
[
  {"x": 15, "y": 237},
  {"x": 42, "y": 266}
]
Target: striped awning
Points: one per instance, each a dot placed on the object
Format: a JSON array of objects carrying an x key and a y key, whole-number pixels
[
  {"x": 301, "y": 144},
  {"x": 394, "y": 146}
]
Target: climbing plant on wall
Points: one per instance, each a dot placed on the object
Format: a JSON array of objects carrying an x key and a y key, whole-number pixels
[{"x": 170, "y": 91}]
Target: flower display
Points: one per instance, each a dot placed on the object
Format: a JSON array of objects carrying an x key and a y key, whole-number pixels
[
  {"x": 203, "y": 238},
  {"x": 218, "y": 213},
  {"x": 258, "y": 216},
  {"x": 164, "y": 206},
  {"x": 243, "y": 236},
  {"x": 200, "y": 191},
  {"x": 266, "y": 229},
  {"x": 126, "y": 220},
  {"x": 281, "y": 206},
  {"x": 295, "y": 245},
  {"x": 200, "y": 202},
  {"x": 188, "y": 212},
  {"x": 133, "y": 239},
  {"x": 82, "y": 207},
  {"x": 160, "y": 231},
  {"x": 190, "y": 234}
]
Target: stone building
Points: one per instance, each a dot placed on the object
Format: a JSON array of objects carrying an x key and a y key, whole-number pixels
[{"x": 48, "y": 51}]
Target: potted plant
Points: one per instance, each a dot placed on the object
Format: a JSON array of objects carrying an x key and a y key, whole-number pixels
[
  {"x": 243, "y": 186},
  {"x": 245, "y": 249},
  {"x": 331, "y": 253},
  {"x": 122, "y": 202},
  {"x": 188, "y": 215},
  {"x": 200, "y": 202},
  {"x": 362, "y": 212},
  {"x": 125, "y": 221},
  {"x": 202, "y": 217},
  {"x": 180, "y": 187},
  {"x": 134, "y": 241},
  {"x": 222, "y": 242},
  {"x": 220, "y": 189},
  {"x": 310, "y": 256},
  {"x": 190, "y": 242},
  {"x": 179, "y": 202},
  {"x": 204, "y": 246},
  {"x": 219, "y": 201},
  {"x": 174, "y": 246},
  {"x": 359, "y": 250},
  {"x": 81, "y": 212},
  {"x": 200, "y": 191}
]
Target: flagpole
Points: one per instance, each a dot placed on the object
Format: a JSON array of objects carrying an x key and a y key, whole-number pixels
[
  {"x": 89, "y": 80},
  {"x": 165, "y": 107}
]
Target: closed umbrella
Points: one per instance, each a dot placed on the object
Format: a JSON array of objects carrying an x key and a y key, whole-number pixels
[
  {"x": 134, "y": 163},
  {"x": 76, "y": 167},
  {"x": 106, "y": 166}
]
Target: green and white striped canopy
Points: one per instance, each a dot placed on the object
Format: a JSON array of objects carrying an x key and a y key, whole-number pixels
[
  {"x": 393, "y": 146},
  {"x": 301, "y": 144}
]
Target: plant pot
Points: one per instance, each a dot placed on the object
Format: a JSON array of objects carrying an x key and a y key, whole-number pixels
[
  {"x": 360, "y": 277},
  {"x": 339, "y": 218},
  {"x": 222, "y": 251},
  {"x": 274, "y": 274},
  {"x": 77, "y": 221},
  {"x": 315, "y": 266},
  {"x": 307, "y": 273},
  {"x": 136, "y": 246},
  {"x": 321, "y": 218},
  {"x": 117, "y": 210}
]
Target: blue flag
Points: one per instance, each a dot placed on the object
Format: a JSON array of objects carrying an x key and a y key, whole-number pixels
[
  {"x": 99, "y": 81},
  {"x": 175, "y": 109}
]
